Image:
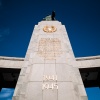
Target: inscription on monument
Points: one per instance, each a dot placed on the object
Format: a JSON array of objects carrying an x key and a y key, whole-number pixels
[
  {"x": 49, "y": 82},
  {"x": 49, "y": 48},
  {"x": 50, "y": 78}
]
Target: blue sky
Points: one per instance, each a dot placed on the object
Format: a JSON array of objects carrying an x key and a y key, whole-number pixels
[
  {"x": 6, "y": 94},
  {"x": 81, "y": 18}
]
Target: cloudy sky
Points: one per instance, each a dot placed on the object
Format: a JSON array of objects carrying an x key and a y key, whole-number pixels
[{"x": 81, "y": 18}]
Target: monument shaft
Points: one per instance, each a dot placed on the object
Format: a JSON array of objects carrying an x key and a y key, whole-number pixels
[{"x": 49, "y": 71}]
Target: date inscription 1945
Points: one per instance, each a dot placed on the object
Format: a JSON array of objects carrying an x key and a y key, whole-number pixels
[{"x": 50, "y": 82}]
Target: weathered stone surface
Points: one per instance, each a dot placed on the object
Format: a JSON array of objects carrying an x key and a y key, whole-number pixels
[
  {"x": 11, "y": 62},
  {"x": 36, "y": 73},
  {"x": 65, "y": 91},
  {"x": 81, "y": 90},
  {"x": 20, "y": 79},
  {"x": 15, "y": 98},
  {"x": 84, "y": 98},
  {"x": 88, "y": 62},
  {"x": 63, "y": 72},
  {"x": 23, "y": 71},
  {"x": 17, "y": 90},
  {"x": 49, "y": 69},
  {"x": 50, "y": 94},
  {"x": 34, "y": 91},
  {"x": 50, "y": 61},
  {"x": 22, "y": 97}
]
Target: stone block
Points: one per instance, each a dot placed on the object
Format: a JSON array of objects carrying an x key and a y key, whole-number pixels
[
  {"x": 49, "y": 69},
  {"x": 17, "y": 90},
  {"x": 2, "y": 62},
  {"x": 76, "y": 95},
  {"x": 6, "y": 63},
  {"x": 36, "y": 58},
  {"x": 32, "y": 55},
  {"x": 23, "y": 88},
  {"x": 65, "y": 91},
  {"x": 20, "y": 79},
  {"x": 86, "y": 63},
  {"x": 58, "y": 36},
  {"x": 64, "y": 47},
  {"x": 49, "y": 94},
  {"x": 23, "y": 71},
  {"x": 33, "y": 46},
  {"x": 74, "y": 78},
  {"x": 29, "y": 51},
  {"x": 63, "y": 72},
  {"x": 97, "y": 62},
  {"x": 28, "y": 69},
  {"x": 82, "y": 91},
  {"x": 34, "y": 38},
  {"x": 50, "y": 61},
  {"x": 25, "y": 64},
  {"x": 11, "y": 64},
  {"x": 15, "y": 98},
  {"x": 65, "y": 39},
  {"x": 84, "y": 98},
  {"x": 34, "y": 91},
  {"x": 36, "y": 73},
  {"x": 78, "y": 64},
  {"x": 22, "y": 97},
  {"x": 89, "y": 63},
  {"x": 75, "y": 87},
  {"x": 79, "y": 78},
  {"x": 17, "y": 64},
  {"x": 62, "y": 58},
  {"x": 27, "y": 57},
  {"x": 26, "y": 78},
  {"x": 74, "y": 73}
]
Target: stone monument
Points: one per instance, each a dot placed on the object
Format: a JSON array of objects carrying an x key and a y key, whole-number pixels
[
  {"x": 50, "y": 73},
  {"x": 50, "y": 70}
]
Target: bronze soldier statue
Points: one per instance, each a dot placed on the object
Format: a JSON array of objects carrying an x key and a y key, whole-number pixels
[{"x": 50, "y": 17}]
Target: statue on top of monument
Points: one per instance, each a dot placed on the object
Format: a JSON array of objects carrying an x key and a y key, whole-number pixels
[{"x": 50, "y": 17}]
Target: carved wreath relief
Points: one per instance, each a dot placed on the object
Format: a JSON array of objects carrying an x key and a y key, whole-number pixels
[
  {"x": 49, "y": 29},
  {"x": 49, "y": 48}
]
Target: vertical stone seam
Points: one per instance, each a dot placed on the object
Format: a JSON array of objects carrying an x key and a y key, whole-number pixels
[
  {"x": 42, "y": 79},
  {"x": 25, "y": 82},
  {"x": 55, "y": 70},
  {"x": 56, "y": 81}
]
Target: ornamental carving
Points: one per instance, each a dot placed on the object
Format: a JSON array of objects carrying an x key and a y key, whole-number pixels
[{"x": 49, "y": 29}]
